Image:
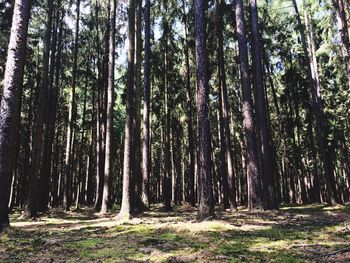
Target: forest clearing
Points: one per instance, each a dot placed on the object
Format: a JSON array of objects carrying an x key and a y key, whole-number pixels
[
  {"x": 174, "y": 131},
  {"x": 313, "y": 233}
]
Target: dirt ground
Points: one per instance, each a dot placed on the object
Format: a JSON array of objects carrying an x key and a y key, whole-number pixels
[{"x": 314, "y": 233}]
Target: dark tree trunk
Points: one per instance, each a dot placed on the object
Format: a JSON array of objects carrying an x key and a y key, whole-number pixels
[
  {"x": 45, "y": 170},
  {"x": 31, "y": 208},
  {"x": 342, "y": 23},
  {"x": 206, "y": 204},
  {"x": 265, "y": 150},
  {"x": 125, "y": 211},
  {"x": 189, "y": 97},
  {"x": 224, "y": 110},
  {"x": 146, "y": 162},
  {"x": 71, "y": 118},
  {"x": 311, "y": 64},
  {"x": 253, "y": 176},
  {"x": 9, "y": 107},
  {"x": 107, "y": 171}
]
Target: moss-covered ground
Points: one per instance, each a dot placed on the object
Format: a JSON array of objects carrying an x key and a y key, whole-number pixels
[{"x": 314, "y": 233}]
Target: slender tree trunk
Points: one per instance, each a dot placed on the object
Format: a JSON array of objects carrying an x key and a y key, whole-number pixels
[
  {"x": 125, "y": 211},
  {"x": 31, "y": 208},
  {"x": 189, "y": 97},
  {"x": 321, "y": 128},
  {"x": 146, "y": 162},
  {"x": 253, "y": 175},
  {"x": 45, "y": 171},
  {"x": 316, "y": 100},
  {"x": 270, "y": 201},
  {"x": 342, "y": 23},
  {"x": 137, "y": 178},
  {"x": 107, "y": 172},
  {"x": 206, "y": 204},
  {"x": 224, "y": 105},
  {"x": 71, "y": 117},
  {"x": 9, "y": 107}
]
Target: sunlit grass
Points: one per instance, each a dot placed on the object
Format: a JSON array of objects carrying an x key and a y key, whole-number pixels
[{"x": 294, "y": 234}]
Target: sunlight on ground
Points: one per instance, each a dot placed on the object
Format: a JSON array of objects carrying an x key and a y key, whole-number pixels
[{"x": 313, "y": 233}]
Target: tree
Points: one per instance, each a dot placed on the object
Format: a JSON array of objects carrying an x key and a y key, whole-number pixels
[
  {"x": 126, "y": 209},
  {"x": 9, "y": 107},
  {"x": 206, "y": 204},
  {"x": 253, "y": 176},
  {"x": 37, "y": 146},
  {"x": 110, "y": 99},
  {"x": 224, "y": 118},
  {"x": 71, "y": 117},
  {"x": 146, "y": 108},
  {"x": 267, "y": 172},
  {"x": 342, "y": 24}
]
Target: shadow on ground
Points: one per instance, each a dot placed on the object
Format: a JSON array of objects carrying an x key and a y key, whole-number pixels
[{"x": 314, "y": 233}]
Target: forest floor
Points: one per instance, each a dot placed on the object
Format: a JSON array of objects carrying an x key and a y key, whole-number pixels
[{"x": 314, "y": 233}]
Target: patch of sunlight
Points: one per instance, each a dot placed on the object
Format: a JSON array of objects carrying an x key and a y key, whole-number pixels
[
  {"x": 267, "y": 245},
  {"x": 215, "y": 225},
  {"x": 335, "y": 207}
]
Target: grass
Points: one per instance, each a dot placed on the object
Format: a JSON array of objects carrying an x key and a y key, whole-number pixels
[{"x": 313, "y": 233}]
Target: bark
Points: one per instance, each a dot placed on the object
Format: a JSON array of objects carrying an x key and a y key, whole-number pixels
[
  {"x": 31, "y": 208},
  {"x": 317, "y": 105},
  {"x": 98, "y": 178},
  {"x": 253, "y": 175},
  {"x": 167, "y": 184},
  {"x": 189, "y": 98},
  {"x": 137, "y": 117},
  {"x": 206, "y": 204},
  {"x": 265, "y": 151},
  {"x": 109, "y": 127},
  {"x": 321, "y": 129},
  {"x": 45, "y": 171},
  {"x": 71, "y": 118},
  {"x": 342, "y": 24},
  {"x": 224, "y": 110},
  {"x": 9, "y": 107},
  {"x": 125, "y": 211},
  {"x": 146, "y": 162}
]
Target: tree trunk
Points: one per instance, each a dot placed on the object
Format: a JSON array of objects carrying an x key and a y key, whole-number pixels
[
  {"x": 9, "y": 107},
  {"x": 224, "y": 109},
  {"x": 342, "y": 23},
  {"x": 253, "y": 175},
  {"x": 125, "y": 210},
  {"x": 146, "y": 162},
  {"x": 189, "y": 97},
  {"x": 206, "y": 204},
  {"x": 109, "y": 127},
  {"x": 31, "y": 208},
  {"x": 321, "y": 128},
  {"x": 71, "y": 118},
  {"x": 270, "y": 201}
]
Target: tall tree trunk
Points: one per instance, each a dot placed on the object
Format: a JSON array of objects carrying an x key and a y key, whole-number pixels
[
  {"x": 321, "y": 128},
  {"x": 342, "y": 23},
  {"x": 206, "y": 204},
  {"x": 267, "y": 172},
  {"x": 125, "y": 210},
  {"x": 224, "y": 105},
  {"x": 189, "y": 97},
  {"x": 9, "y": 107},
  {"x": 31, "y": 208},
  {"x": 146, "y": 162},
  {"x": 45, "y": 170},
  {"x": 71, "y": 117},
  {"x": 311, "y": 64},
  {"x": 253, "y": 175},
  {"x": 109, "y": 127},
  {"x": 137, "y": 117}
]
